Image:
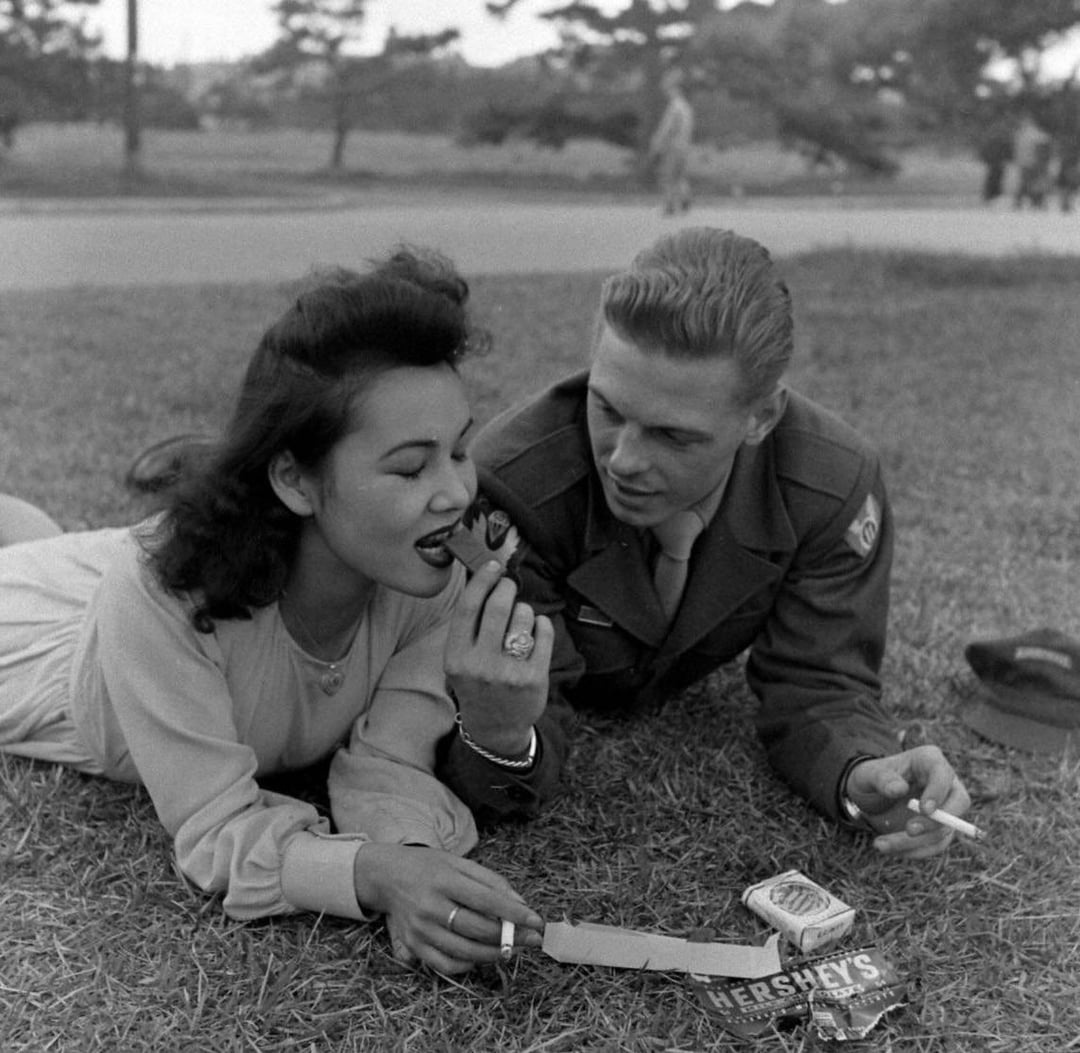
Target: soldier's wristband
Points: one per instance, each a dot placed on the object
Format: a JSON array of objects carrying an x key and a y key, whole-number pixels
[{"x": 850, "y": 813}]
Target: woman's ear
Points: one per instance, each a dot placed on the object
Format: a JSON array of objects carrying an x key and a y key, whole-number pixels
[
  {"x": 290, "y": 484},
  {"x": 766, "y": 416}
]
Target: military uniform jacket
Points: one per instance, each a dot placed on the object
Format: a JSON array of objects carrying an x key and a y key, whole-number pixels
[{"x": 794, "y": 567}]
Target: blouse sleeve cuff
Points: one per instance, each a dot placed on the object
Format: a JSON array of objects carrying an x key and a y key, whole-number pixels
[{"x": 317, "y": 874}]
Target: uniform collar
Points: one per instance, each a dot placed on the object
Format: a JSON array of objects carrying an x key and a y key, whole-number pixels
[{"x": 753, "y": 506}]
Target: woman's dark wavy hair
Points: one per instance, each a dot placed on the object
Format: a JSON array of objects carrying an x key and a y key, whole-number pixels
[{"x": 225, "y": 537}]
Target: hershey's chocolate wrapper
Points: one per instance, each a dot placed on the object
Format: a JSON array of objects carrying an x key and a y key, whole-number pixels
[
  {"x": 485, "y": 534},
  {"x": 841, "y": 995}
]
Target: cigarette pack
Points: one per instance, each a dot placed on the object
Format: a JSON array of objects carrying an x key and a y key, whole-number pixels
[{"x": 808, "y": 915}]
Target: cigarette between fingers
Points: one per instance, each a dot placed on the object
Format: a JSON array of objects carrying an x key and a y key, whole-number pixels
[
  {"x": 506, "y": 941},
  {"x": 952, "y": 821}
]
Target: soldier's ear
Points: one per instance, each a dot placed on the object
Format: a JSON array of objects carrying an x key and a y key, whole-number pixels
[{"x": 765, "y": 416}]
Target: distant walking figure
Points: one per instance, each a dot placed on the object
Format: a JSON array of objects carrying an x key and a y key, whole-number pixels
[
  {"x": 669, "y": 147},
  {"x": 1032, "y": 149},
  {"x": 995, "y": 151},
  {"x": 1068, "y": 173}
]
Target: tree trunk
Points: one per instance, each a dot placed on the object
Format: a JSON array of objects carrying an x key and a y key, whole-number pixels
[
  {"x": 337, "y": 154},
  {"x": 650, "y": 105},
  {"x": 341, "y": 119},
  {"x": 132, "y": 117}
]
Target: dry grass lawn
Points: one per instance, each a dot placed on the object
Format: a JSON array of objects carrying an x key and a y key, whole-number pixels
[
  {"x": 85, "y": 161},
  {"x": 965, "y": 374}
]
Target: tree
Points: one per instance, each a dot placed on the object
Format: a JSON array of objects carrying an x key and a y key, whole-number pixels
[
  {"x": 789, "y": 59},
  {"x": 321, "y": 35},
  {"x": 969, "y": 34},
  {"x": 945, "y": 56},
  {"x": 627, "y": 50},
  {"x": 44, "y": 52},
  {"x": 841, "y": 79},
  {"x": 132, "y": 116},
  {"x": 776, "y": 58}
]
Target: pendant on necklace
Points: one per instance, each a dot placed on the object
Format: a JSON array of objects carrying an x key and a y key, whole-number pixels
[{"x": 331, "y": 681}]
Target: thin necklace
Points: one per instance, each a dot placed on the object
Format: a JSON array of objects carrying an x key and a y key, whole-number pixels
[{"x": 331, "y": 680}]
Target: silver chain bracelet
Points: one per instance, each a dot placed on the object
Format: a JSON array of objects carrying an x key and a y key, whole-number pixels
[{"x": 505, "y": 762}]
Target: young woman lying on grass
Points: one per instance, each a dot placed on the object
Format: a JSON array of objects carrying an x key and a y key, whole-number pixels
[{"x": 294, "y": 592}]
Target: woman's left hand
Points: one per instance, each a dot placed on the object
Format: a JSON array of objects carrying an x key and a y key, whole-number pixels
[
  {"x": 442, "y": 910},
  {"x": 501, "y": 694}
]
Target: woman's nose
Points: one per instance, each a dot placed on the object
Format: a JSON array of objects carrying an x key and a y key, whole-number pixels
[{"x": 457, "y": 487}]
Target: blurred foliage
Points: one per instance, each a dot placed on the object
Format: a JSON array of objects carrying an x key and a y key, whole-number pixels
[
  {"x": 313, "y": 50},
  {"x": 163, "y": 103},
  {"x": 848, "y": 85},
  {"x": 789, "y": 60},
  {"x": 824, "y": 137},
  {"x": 552, "y": 123},
  {"x": 44, "y": 62},
  {"x": 620, "y": 55},
  {"x": 851, "y": 82},
  {"x": 845, "y": 84}
]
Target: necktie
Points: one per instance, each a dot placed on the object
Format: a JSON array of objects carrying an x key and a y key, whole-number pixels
[{"x": 676, "y": 537}]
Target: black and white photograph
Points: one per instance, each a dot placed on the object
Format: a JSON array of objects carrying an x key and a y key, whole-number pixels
[{"x": 539, "y": 526}]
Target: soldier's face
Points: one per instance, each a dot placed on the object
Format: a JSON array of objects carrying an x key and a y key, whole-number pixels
[{"x": 664, "y": 431}]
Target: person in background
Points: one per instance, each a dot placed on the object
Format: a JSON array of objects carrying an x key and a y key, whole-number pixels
[
  {"x": 1068, "y": 172},
  {"x": 295, "y": 593},
  {"x": 669, "y": 147},
  {"x": 995, "y": 149},
  {"x": 1032, "y": 154},
  {"x": 680, "y": 506}
]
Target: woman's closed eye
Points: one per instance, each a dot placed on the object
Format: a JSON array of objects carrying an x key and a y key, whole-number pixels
[{"x": 412, "y": 468}]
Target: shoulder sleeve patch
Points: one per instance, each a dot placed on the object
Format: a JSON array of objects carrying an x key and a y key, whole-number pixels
[{"x": 861, "y": 535}]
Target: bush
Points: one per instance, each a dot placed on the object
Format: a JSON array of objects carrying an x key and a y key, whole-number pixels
[
  {"x": 165, "y": 107},
  {"x": 827, "y": 137},
  {"x": 551, "y": 123}
]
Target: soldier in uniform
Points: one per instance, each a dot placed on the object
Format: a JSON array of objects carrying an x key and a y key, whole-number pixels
[
  {"x": 669, "y": 147},
  {"x": 679, "y": 506}
]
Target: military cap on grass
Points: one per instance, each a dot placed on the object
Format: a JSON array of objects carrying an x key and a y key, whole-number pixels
[{"x": 1030, "y": 691}]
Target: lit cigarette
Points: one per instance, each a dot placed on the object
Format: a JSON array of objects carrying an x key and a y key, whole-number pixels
[
  {"x": 506, "y": 940},
  {"x": 948, "y": 819}
]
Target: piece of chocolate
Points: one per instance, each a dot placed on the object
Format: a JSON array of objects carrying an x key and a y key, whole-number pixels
[{"x": 470, "y": 550}]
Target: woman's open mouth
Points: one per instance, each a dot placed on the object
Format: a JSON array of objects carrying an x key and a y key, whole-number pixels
[{"x": 431, "y": 548}]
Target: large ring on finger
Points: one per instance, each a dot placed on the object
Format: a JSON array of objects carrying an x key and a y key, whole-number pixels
[
  {"x": 451, "y": 917},
  {"x": 519, "y": 644}
]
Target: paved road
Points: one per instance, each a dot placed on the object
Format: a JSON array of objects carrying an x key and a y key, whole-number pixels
[{"x": 145, "y": 246}]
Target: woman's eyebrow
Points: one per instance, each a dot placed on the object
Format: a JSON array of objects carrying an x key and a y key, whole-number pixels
[
  {"x": 411, "y": 444},
  {"x": 424, "y": 444}
]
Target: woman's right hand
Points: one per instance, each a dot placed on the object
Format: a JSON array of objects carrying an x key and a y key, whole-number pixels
[
  {"x": 500, "y": 696},
  {"x": 443, "y": 910}
]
